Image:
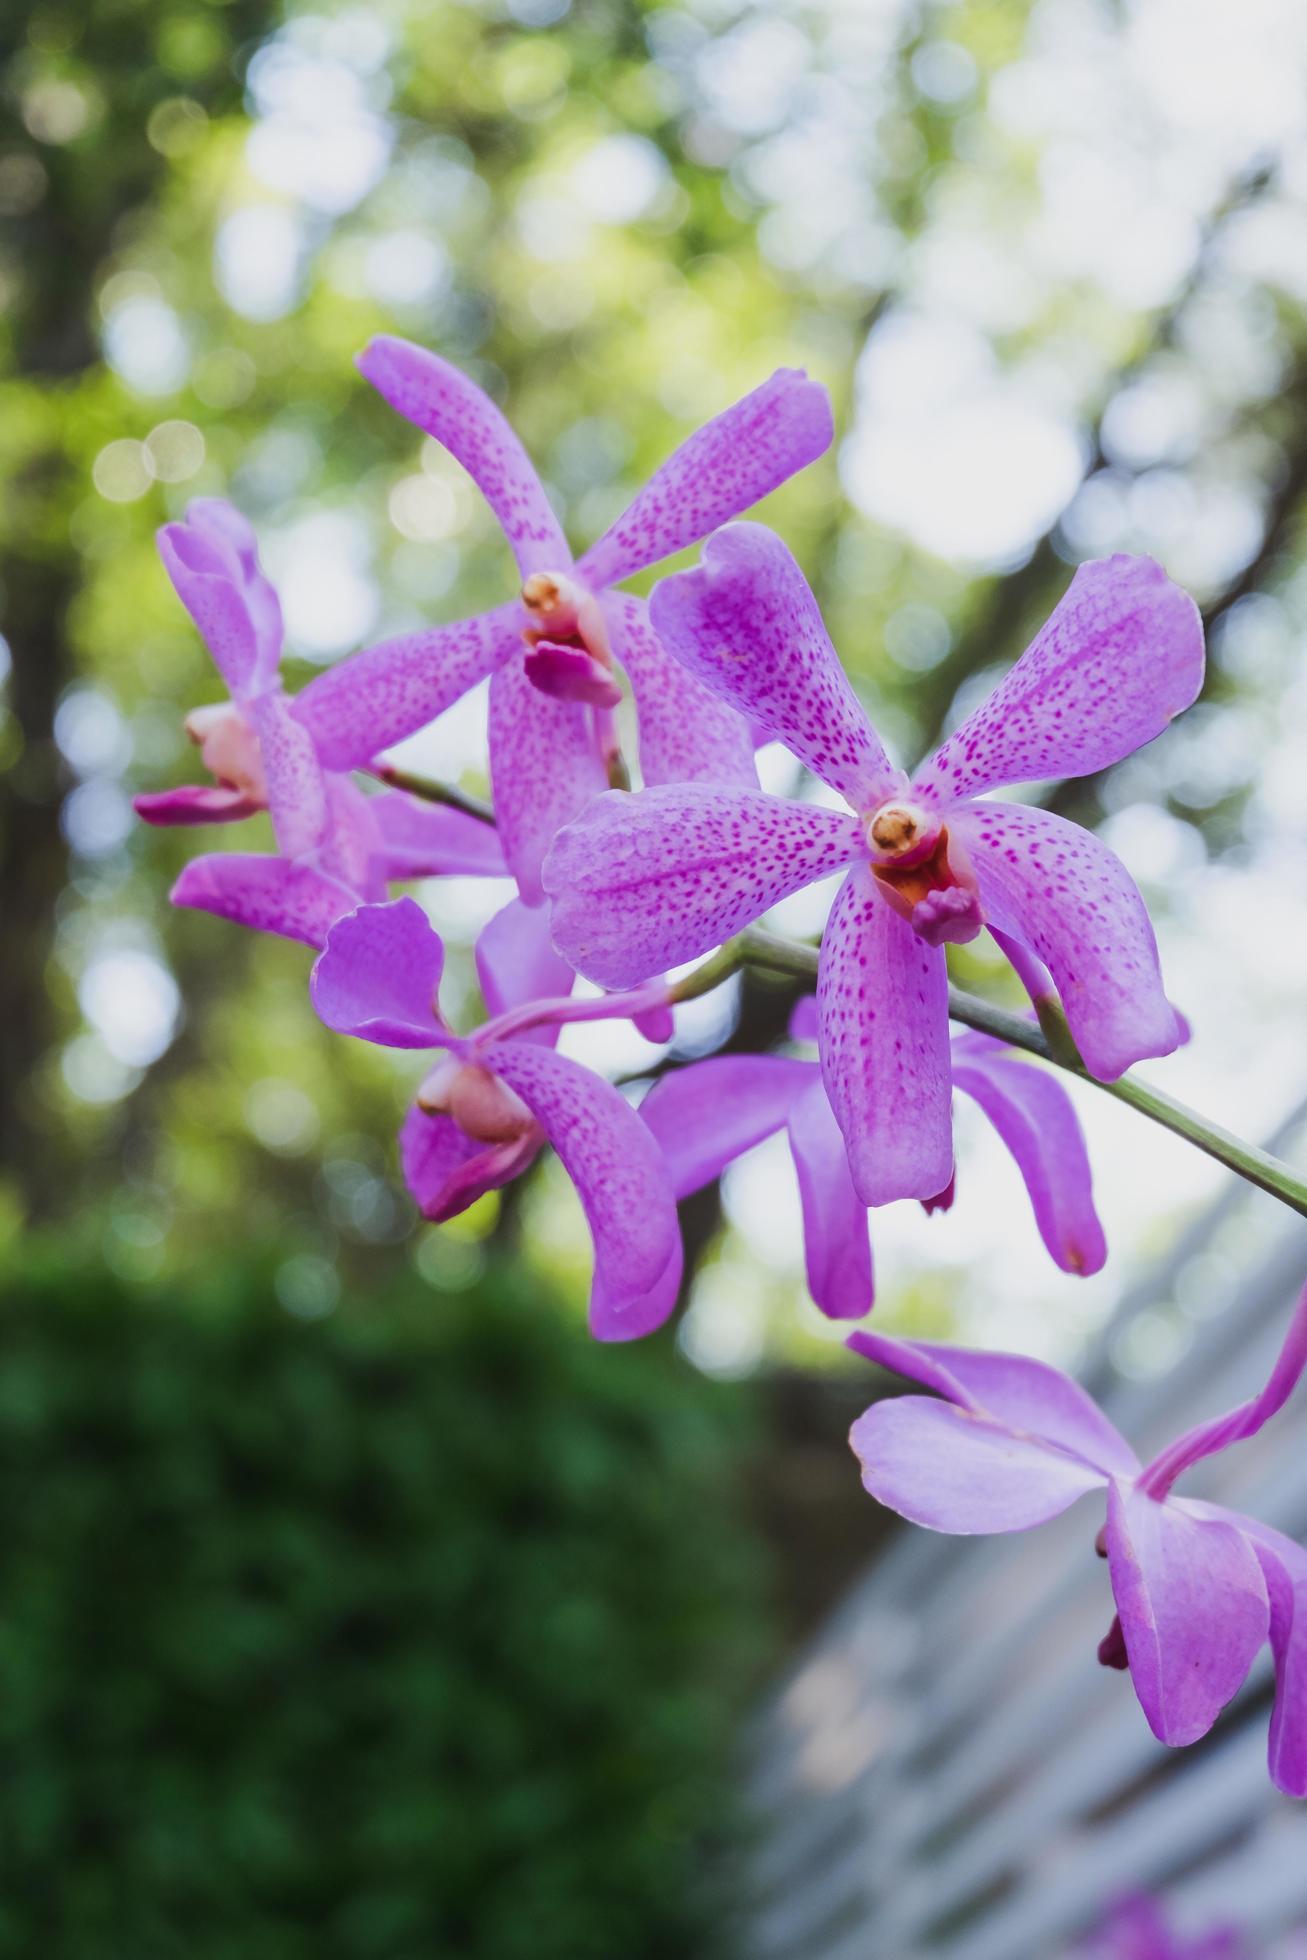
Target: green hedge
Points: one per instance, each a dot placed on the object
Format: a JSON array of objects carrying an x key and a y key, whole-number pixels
[{"x": 418, "y": 1632}]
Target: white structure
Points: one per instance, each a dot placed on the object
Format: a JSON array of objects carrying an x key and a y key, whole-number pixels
[{"x": 947, "y": 1771}]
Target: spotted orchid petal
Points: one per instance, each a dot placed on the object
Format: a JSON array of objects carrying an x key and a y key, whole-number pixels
[
  {"x": 1060, "y": 891},
  {"x": 432, "y": 840},
  {"x": 545, "y": 767},
  {"x": 446, "y": 1170},
  {"x": 708, "y": 1114},
  {"x": 1120, "y": 656},
  {"x": 882, "y": 1002},
  {"x": 1193, "y": 1608},
  {"x": 620, "y": 1178},
  {"x": 516, "y": 961},
  {"x": 687, "y": 734},
  {"x": 723, "y": 469},
  {"x": 267, "y": 894},
  {"x": 1035, "y": 1117},
  {"x": 297, "y": 796},
  {"x": 1012, "y": 1390},
  {"x": 375, "y": 698},
  {"x": 195, "y": 803},
  {"x": 643, "y": 883},
  {"x": 746, "y": 624},
  {"x": 836, "y": 1242},
  {"x": 379, "y": 975},
  {"x": 461, "y": 417},
  {"x": 351, "y": 847}
]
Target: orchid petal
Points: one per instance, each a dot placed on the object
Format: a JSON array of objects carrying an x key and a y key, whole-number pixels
[
  {"x": 375, "y": 698},
  {"x": 1062, "y": 893},
  {"x": 882, "y": 1001},
  {"x": 1012, "y": 1390},
  {"x": 953, "y": 1470},
  {"x": 516, "y": 961},
  {"x": 379, "y": 975},
  {"x": 461, "y": 417},
  {"x": 620, "y": 1178},
  {"x": 657, "y": 1024},
  {"x": 1119, "y": 657},
  {"x": 1036, "y": 1119},
  {"x": 744, "y": 621},
  {"x": 805, "y": 1022},
  {"x": 207, "y": 580},
  {"x": 1207, "y": 1438},
  {"x": 545, "y": 766},
  {"x": 446, "y": 1170},
  {"x": 434, "y": 840},
  {"x": 642, "y": 883},
  {"x": 350, "y": 849},
  {"x": 265, "y": 893},
  {"x": 227, "y": 526},
  {"x": 723, "y": 469},
  {"x": 297, "y": 800},
  {"x": 836, "y": 1242},
  {"x": 708, "y": 1114},
  {"x": 1193, "y": 1609},
  {"x": 1284, "y": 1568},
  {"x": 195, "y": 803},
  {"x": 686, "y": 733}
]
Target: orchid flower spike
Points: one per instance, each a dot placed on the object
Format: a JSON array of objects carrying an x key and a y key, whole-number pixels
[
  {"x": 1198, "y": 1588},
  {"x": 642, "y": 883},
  {"x": 706, "y": 1115},
  {"x": 493, "y": 1100},
  {"x": 553, "y": 650},
  {"x": 335, "y": 845}
]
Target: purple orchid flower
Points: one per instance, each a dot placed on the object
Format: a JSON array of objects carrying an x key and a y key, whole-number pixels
[
  {"x": 551, "y": 651},
  {"x": 709, "y": 1113},
  {"x": 335, "y": 845},
  {"x": 498, "y": 1095},
  {"x": 1137, "y": 1928},
  {"x": 1198, "y": 1588},
  {"x": 642, "y": 883}
]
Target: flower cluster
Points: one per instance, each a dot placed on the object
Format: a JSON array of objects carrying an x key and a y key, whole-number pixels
[{"x": 622, "y": 886}]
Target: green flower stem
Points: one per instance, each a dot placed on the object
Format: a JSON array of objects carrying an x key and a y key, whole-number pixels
[
  {"x": 431, "y": 791},
  {"x": 1054, "y": 1044}
]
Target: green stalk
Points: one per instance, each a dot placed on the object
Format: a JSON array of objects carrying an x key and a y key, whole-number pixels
[
  {"x": 1259, "y": 1167},
  {"x": 431, "y": 791}
]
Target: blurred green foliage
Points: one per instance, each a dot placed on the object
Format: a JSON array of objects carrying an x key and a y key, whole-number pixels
[{"x": 414, "y": 1632}]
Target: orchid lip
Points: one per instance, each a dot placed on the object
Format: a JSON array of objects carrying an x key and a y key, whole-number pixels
[
  {"x": 561, "y": 610},
  {"x": 924, "y": 875}
]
